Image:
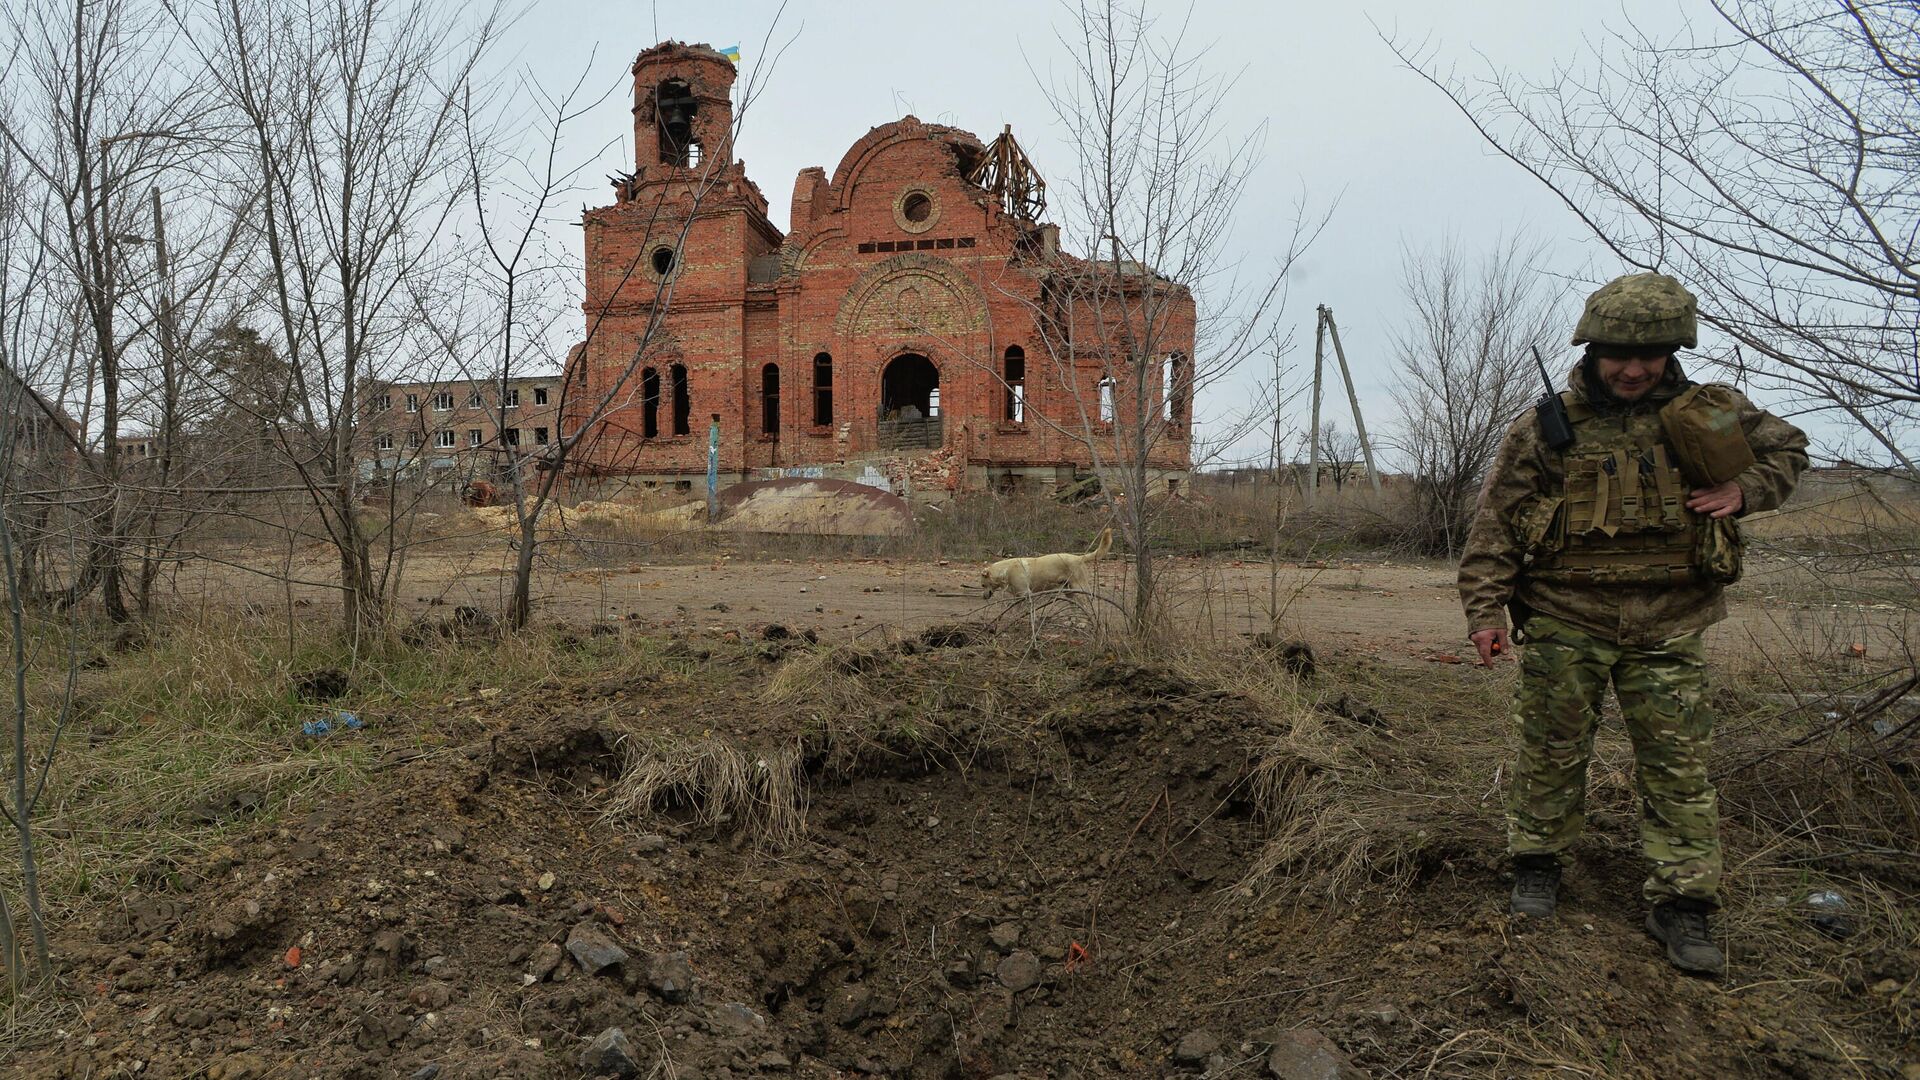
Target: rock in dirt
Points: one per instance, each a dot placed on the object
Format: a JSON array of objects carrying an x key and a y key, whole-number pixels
[
  {"x": 239, "y": 1067},
  {"x": 426, "y": 1072},
  {"x": 1004, "y": 936},
  {"x": 593, "y": 949},
  {"x": 734, "y": 1018},
  {"x": 1306, "y": 1054},
  {"x": 389, "y": 954},
  {"x": 670, "y": 976},
  {"x": 850, "y": 1005},
  {"x": 1295, "y": 656},
  {"x": 1019, "y": 971},
  {"x": 1384, "y": 1015},
  {"x": 1196, "y": 1047},
  {"x": 649, "y": 844},
  {"x": 431, "y": 995},
  {"x": 323, "y": 684},
  {"x": 950, "y": 636},
  {"x": 379, "y": 1032},
  {"x": 1359, "y": 712},
  {"x": 136, "y": 981},
  {"x": 610, "y": 1052},
  {"x": 848, "y": 660},
  {"x": 546, "y": 960}
]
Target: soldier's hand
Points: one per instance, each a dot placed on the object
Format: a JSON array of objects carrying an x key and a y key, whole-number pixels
[
  {"x": 1717, "y": 501},
  {"x": 1491, "y": 643}
]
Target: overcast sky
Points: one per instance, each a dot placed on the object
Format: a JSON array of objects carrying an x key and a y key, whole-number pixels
[{"x": 1345, "y": 121}]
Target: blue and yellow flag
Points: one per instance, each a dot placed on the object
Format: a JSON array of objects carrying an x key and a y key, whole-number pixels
[{"x": 731, "y": 52}]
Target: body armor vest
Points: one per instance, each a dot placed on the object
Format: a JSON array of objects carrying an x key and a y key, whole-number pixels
[{"x": 1621, "y": 517}]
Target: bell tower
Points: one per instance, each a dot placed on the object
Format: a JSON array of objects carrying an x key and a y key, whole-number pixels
[{"x": 682, "y": 111}]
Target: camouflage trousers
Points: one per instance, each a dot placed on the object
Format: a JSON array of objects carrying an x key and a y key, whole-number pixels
[{"x": 1662, "y": 693}]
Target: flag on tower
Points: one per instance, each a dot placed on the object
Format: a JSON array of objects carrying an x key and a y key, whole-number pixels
[{"x": 731, "y": 52}]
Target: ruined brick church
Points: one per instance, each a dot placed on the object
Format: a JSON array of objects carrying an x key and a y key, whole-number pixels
[{"x": 892, "y": 336}]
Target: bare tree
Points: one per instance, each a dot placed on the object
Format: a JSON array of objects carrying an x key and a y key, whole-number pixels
[
  {"x": 1770, "y": 160},
  {"x": 35, "y": 437},
  {"x": 106, "y": 121},
  {"x": 1465, "y": 370},
  {"x": 1152, "y": 195},
  {"x": 349, "y": 116}
]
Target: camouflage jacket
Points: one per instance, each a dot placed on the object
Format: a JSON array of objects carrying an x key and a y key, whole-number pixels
[{"x": 1493, "y": 569}]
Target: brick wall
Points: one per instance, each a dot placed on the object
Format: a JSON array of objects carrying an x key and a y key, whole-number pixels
[{"x": 895, "y": 255}]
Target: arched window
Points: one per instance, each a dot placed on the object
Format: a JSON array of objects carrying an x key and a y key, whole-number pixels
[
  {"x": 770, "y": 399},
  {"x": 1015, "y": 376},
  {"x": 649, "y": 403},
  {"x": 682, "y": 400},
  {"x": 1106, "y": 399},
  {"x": 822, "y": 389}
]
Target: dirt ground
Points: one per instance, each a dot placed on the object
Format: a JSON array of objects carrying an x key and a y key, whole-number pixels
[
  {"x": 1394, "y": 610},
  {"x": 762, "y": 816},
  {"x": 938, "y": 862}
]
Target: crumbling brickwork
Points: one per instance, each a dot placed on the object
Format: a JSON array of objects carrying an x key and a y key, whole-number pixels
[{"x": 897, "y": 322}]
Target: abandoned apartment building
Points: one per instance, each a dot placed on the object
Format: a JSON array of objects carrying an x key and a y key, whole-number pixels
[
  {"x": 456, "y": 430},
  {"x": 892, "y": 336}
]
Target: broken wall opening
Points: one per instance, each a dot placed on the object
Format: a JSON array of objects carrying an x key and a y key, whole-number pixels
[{"x": 674, "y": 109}]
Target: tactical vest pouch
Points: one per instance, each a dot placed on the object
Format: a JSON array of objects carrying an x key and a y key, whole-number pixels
[
  {"x": 1622, "y": 492},
  {"x": 1537, "y": 524},
  {"x": 1703, "y": 427},
  {"x": 1623, "y": 521},
  {"x": 1717, "y": 556}
]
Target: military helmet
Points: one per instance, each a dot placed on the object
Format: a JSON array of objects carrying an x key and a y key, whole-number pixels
[{"x": 1639, "y": 310}]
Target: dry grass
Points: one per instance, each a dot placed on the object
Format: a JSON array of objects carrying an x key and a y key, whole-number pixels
[
  {"x": 762, "y": 793},
  {"x": 175, "y": 744},
  {"x": 1375, "y": 776}
]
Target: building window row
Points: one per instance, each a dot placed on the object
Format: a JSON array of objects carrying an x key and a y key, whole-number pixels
[
  {"x": 445, "y": 438},
  {"x": 443, "y": 400},
  {"x": 935, "y": 244}
]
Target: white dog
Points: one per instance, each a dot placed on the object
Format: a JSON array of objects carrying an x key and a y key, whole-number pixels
[{"x": 1038, "y": 573}]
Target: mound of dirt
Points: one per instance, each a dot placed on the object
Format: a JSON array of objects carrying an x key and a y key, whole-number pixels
[{"x": 998, "y": 868}]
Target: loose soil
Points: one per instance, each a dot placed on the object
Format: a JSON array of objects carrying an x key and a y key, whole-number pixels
[{"x": 945, "y": 856}]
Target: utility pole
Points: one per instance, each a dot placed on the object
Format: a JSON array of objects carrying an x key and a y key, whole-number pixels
[
  {"x": 1313, "y": 433},
  {"x": 1359, "y": 425}
]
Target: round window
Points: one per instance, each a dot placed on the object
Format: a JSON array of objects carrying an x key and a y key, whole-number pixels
[
  {"x": 662, "y": 261},
  {"x": 915, "y": 210}
]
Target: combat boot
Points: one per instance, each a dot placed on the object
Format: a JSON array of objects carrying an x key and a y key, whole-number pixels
[
  {"x": 1681, "y": 925},
  {"x": 1536, "y": 885}
]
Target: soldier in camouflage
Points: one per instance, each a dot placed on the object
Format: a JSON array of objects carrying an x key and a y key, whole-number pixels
[{"x": 1611, "y": 564}]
